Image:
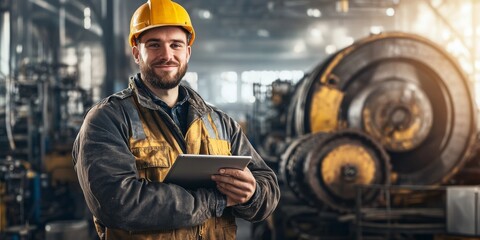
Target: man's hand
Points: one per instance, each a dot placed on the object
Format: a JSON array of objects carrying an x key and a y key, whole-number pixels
[{"x": 238, "y": 185}]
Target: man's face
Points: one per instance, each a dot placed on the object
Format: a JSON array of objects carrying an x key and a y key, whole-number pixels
[{"x": 162, "y": 54}]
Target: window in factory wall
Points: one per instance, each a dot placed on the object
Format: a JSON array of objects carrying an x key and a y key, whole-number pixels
[
  {"x": 4, "y": 43},
  {"x": 86, "y": 68},
  {"x": 229, "y": 87},
  {"x": 452, "y": 24},
  {"x": 265, "y": 78},
  {"x": 239, "y": 89},
  {"x": 192, "y": 80},
  {"x": 91, "y": 66}
]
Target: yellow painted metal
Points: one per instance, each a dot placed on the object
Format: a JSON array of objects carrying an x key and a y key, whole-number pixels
[
  {"x": 348, "y": 155},
  {"x": 324, "y": 109},
  {"x": 326, "y": 102},
  {"x": 60, "y": 167},
  {"x": 392, "y": 137}
]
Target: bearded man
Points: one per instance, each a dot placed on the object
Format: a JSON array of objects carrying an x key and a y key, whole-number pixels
[{"x": 129, "y": 141}]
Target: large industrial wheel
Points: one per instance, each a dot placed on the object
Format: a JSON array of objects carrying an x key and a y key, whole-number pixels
[
  {"x": 405, "y": 92},
  {"x": 324, "y": 169}
]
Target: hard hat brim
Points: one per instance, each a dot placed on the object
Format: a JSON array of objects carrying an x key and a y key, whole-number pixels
[{"x": 136, "y": 34}]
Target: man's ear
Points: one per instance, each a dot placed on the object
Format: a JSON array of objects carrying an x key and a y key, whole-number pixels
[
  {"x": 189, "y": 52},
  {"x": 136, "y": 54}
]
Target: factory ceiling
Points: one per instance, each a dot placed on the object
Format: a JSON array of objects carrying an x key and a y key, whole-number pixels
[
  {"x": 242, "y": 34},
  {"x": 266, "y": 34}
]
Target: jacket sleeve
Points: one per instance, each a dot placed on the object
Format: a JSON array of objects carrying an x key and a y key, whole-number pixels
[
  {"x": 116, "y": 196},
  {"x": 267, "y": 193}
]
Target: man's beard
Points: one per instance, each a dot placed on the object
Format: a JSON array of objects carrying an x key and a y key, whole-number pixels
[{"x": 162, "y": 80}]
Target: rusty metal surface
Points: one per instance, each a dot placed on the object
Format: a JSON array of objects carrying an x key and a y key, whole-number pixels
[
  {"x": 324, "y": 168},
  {"x": 405, "y": 92}
]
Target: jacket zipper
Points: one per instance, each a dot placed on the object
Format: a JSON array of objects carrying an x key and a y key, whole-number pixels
[{"x": 177, "y": 133}]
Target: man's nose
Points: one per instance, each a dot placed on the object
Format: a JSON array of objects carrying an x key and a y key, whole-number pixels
[{"x": 165, "y": 53}]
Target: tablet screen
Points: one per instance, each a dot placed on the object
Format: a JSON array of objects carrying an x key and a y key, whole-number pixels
[{"x": 194, "y": 171}]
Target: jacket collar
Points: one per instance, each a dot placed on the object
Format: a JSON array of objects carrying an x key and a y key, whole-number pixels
[{"x": 197, "y": 103}]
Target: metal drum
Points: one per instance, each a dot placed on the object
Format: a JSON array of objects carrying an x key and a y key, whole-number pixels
[
  {"x": 324, "y": 168},
  {"x": 402, "y": 90}
]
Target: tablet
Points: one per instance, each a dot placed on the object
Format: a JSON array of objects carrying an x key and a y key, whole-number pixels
[{"x": 194, "y": 171}]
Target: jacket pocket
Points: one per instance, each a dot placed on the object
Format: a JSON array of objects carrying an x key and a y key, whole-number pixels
[{"x": 153, "y": 162}]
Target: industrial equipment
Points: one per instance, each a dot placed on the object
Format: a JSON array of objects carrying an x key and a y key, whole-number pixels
[
  {"x": 383, "y": 124},
  {"x": 41, "y": 109}
]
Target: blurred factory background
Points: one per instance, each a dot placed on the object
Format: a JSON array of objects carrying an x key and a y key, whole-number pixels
[{"x": 366, "y": 109}]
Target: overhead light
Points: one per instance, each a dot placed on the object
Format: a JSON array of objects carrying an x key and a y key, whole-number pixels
[
  {"x": 330, "y": 49},
  {"x": 205, "y": 14},
  {"x": 376, "y": 29},
  {"x": 314, "y": 12},
  {"x": 87, "y": 21},
  {"x": 390, "y": 12},
  {"x": 19, "y": 48},
  {"x": 87, "y": 12},
  {"x": 263, "y": 33},
  {"x": 349, "y": 40}
]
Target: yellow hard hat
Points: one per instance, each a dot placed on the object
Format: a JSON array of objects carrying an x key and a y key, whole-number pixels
[{"x": 157, "y": 13}]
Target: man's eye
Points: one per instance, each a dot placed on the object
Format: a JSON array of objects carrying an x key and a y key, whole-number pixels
[
  {"x": 153, "y": 45},
  {"x": 176, "y": 45}
]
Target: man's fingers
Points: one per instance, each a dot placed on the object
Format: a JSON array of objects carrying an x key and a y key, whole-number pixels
[
  {"x": 235, "y": 189},
  {"x": 237, "y": 185},
  {"x": 231, "y": 182},
  {"x": 234, "y": 196},
  {"x": 236, "y": 173}
]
